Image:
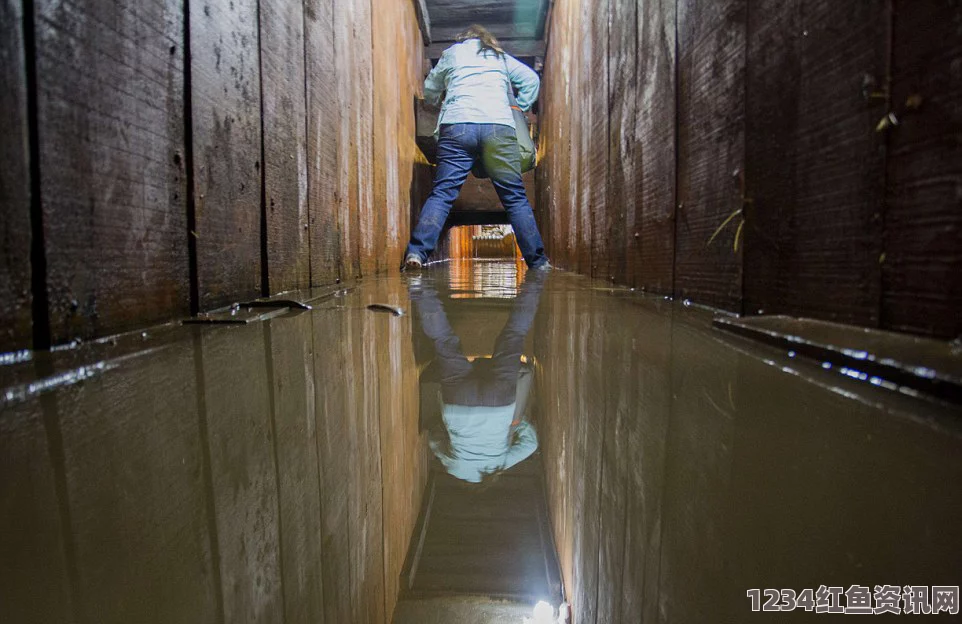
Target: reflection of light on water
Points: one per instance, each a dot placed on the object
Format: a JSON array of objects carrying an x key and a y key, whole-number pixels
[
  {"x": 497, "y": 279},
  {"x": 544, "y": 613}
]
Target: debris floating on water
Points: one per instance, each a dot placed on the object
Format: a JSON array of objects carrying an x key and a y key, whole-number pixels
[{"x": 384, "y": 307}]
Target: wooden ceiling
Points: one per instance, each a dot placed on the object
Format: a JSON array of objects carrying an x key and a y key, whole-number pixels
[{"x": 519, "y": 24}]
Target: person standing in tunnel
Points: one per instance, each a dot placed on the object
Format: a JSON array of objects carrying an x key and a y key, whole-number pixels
[{"x": 477, "y": 125}]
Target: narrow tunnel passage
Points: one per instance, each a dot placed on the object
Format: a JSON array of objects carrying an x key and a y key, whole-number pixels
[{"x": 221, "y": 401}]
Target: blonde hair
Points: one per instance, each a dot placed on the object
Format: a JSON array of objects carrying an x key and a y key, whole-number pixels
[{"x": 488, "y": 41}]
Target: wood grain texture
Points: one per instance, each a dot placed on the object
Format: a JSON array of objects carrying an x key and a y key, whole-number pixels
[
  {"x": 922, "y": 271},
  {"x": 225, "y": 98},
  {"x": 323, "y": 111},
  {"x": 774, "y": 70},
  {"x": 815, "y": 164},
  {"x": 370, "y": 217},
  {"x": 836, "y": 231},
  {"x": 711, "y": 119},
  {"x": 622, "y": 146},
  {"x": 110, "y": 111},
  {"x": 595, "y": 196},
  {"x": 16, "y": 297},
  {"x": 284, "y": 105},
  {"x": 345, "y": 55},
  {"x": 651, "y": 240}
]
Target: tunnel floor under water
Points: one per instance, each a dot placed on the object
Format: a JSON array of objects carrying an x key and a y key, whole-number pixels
[{"x": 500, "y": 438}]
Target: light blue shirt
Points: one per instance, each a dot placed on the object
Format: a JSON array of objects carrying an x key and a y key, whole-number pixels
[
  {"x": 477, "y": 85},
  {"x": 483, "y": 441}
]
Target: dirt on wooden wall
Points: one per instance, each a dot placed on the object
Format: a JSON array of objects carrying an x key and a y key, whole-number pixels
[
  {"x": 182, "y": 156},
  {"x": 751, "y": 161}
]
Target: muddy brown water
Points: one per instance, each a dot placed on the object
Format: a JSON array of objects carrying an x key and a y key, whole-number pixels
[{"x": 281, "y": 471}]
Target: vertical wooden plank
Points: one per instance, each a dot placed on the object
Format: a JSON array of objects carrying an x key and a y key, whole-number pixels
[
  {"x": 242, "y": 472},
  {"x": 323, "y": 126},
  {"x": 711, "y": 118},
  {"x": 598, "y": 113},
  {"x": 836, "y": 230},
  {"x": 225, "y": 96},
  {"x": 345, "y": 56},
  {"x": 113, "y": 185},
  {"x": 15, "y": 274},
  {"x": 622, "y": 143},
  {"x": 922, "y": 269},
  {"x": 384, "y": 119},
  {"x": 582, "y": 166},
  {"x": 370, "y": 220},
  {"x": 133, "y": 471},
  {"x": 651, "y": 220},
  {"x": 34, "y": 579},
  {"x": 295, "y": 446},
  {"x": 771, "y": 149},
  {"x": 283, "y": 102}
]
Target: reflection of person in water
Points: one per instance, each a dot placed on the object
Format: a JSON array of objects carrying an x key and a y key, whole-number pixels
[{"x": 481, "y": 409}]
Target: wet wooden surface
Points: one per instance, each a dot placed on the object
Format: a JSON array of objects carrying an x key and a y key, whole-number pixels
[
  {"x": 771, "y": 116},
  {"x": 651, "y": 233},
  {"x": 711, "y": 149},
  {"x": 922, "y": 268},
  {"x": 284, "y": 102},
  {"x": 323, "y": 112},
  {"x": 16, "y": 295},
  {"x": 113, "y": 179},
  {"x": 225, "y": 94},
  {"x": 282, "y": 171}
]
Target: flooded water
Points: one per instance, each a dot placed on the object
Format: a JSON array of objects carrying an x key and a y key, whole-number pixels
[{"x": 510, "y": 438}]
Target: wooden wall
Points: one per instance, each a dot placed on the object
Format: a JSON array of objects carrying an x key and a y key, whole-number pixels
[
  {"x": 288, "y": 497},
  {"x": 178, "y": 156},
  {"x": 768, "y": 113}
]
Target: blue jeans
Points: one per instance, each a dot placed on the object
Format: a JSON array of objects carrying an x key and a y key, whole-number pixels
[
  {"x": 488, "y": 382},
  {"x": 496, "y": 146}
]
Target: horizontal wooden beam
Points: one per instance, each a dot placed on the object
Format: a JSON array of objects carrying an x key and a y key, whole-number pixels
[{"x": 514, "y": 47}]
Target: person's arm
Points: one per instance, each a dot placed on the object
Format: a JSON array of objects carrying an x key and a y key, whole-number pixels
[
  {"x": 525, "y": 80},
  {"x": 525, "y": 442},
  {"x": 436, "y": 81}
]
